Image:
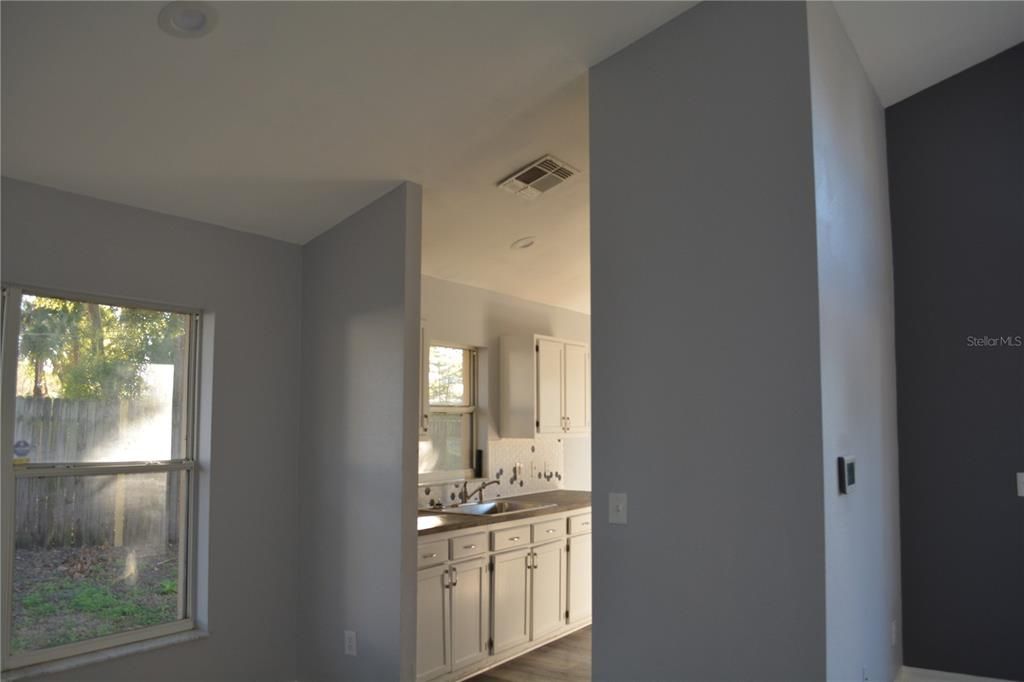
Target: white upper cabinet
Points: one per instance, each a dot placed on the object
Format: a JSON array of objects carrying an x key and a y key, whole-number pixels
[
  {"x": 576, "y": 388},
  {"x": 545, "y": 387},
  {"x": 550, "y": 369}
]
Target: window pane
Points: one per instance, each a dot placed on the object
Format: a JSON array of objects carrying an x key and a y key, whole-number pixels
[
  {"x": 100, "y": 383},
  {"x": 94, "y": 556},
  {"x": 448, "y": 378},
  {"x": 449, "y": 444}
]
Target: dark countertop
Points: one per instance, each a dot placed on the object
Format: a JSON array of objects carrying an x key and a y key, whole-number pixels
[{"x": 429, "y": 522}]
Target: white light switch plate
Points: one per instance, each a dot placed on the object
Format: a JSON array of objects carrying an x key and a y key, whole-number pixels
[
  {"x": 1020, "y": 484},
  {"x": 617, "y": 508}
]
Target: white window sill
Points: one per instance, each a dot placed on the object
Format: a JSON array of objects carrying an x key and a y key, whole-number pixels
[{"x": 72, "y": 662}]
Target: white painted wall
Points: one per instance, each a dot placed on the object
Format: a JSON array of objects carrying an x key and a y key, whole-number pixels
[
  {"x": 706, "y": 371},
  {"x": 357, "y": 462},
  {"x": 250, "y": 289},
  {"x": 460, "y": 314},
  {"x": 858, "y": 368}
]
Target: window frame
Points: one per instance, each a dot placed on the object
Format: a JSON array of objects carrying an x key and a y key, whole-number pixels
[
  {"x": 10, "y": 326},
  {"x": 470, "y": 409}
]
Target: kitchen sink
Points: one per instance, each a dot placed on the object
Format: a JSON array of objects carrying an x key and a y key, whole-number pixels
[{"x": 495, "y": 508}]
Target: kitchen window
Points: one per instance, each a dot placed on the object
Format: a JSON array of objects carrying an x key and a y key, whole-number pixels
[
  {"x": 99, "y": 478},
  {"x": 447, "y": 443}
]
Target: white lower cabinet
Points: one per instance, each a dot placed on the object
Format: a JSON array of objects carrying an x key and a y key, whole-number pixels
[
  {"x": 432, "y": 607},
  {"x": 529, "y": 594},
  {"x": 482, "y": 609},
  {"x": 510, "y": 607},
  {"x": 580, "y": 578},
  {"x": 547, "y": 603},
  {"x": 452, "y": 617},
  {"x": 470, "y": 612}
]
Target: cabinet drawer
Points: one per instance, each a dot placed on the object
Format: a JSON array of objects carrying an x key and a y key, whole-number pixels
[
  {"x": 469, "y": 545},
  {"x": 579, "y": 524},
  {"x": 431, "y": 553},
  {"x": 510, "y": 537},
  {"x": 548, "y": 530}
]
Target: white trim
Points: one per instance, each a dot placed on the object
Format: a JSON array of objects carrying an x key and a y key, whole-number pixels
[
  {"x": 11, "y": 323},
  {"x": 97, "y": 648},
  {"x": 911, "y": 674},
  {"x": 110, "y": 653},
  {"x": 102, "y": 299},
  {"x": 101, "y": 468}
]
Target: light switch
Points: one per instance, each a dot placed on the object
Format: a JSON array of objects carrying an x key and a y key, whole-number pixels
[
  {"x": 1020, "y": 484},
  {"x": 617, "y": 508}
]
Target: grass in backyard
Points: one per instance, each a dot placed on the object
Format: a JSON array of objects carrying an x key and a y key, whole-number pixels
[{"x": 66, "y": 595}]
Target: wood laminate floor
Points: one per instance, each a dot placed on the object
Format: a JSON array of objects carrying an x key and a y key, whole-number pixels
[{"x": 565, "y": 660}]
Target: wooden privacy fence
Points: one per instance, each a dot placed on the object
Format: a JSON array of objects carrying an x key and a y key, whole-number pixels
[
  {"x": 70, "y": 430},
  {"x": 73, "y": 511}
]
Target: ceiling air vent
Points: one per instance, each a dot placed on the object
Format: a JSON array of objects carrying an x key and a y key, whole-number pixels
[{"x": 542, "y": 175}]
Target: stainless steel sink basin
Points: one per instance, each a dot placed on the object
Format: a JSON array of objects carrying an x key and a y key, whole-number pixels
[{"x": 495, "y": 508}]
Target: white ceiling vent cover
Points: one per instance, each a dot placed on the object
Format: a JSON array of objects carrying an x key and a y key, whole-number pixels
[{"x": 542, "y": 175}]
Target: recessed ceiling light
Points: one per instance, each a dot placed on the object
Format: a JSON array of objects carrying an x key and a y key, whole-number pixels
[
  {"x": 524, "y": 243},
  {"x": 187, "y": 19}
]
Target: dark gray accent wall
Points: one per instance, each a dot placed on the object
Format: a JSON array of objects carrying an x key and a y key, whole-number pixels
[
  {"x": 357, "y": 464},
  {"x": 705, "y": 345},
  {"x": 956, "y": 174},
  {"x": 250, "y": 290}
]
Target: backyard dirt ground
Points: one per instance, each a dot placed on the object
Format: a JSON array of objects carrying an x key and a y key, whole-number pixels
[{"x": 69, "y": 594}]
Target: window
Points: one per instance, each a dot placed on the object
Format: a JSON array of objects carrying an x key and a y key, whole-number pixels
[
  {"x": 446, "y": 450},
  {"x": 98, "y": 474}
]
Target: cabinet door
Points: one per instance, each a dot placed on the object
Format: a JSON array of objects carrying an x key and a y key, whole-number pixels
[
  {"x": 580, "y": 577},
  {"x": 550, "y": 362},
  {"x": 433, "y": 656},
  {"x": 548, "y": 599},
  {"x": 470, "y": 611},
  {"x": 510, "y": 599},
  {"x": 576, "y": 379}
]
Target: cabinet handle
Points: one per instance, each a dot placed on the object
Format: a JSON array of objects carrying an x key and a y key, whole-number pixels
[
  {"x": 424, "y": 423},
  {"x": 455, "y": 577},
  {"x": 585, "y": 523},
  {"x": 445, "y": 581},
  {"x": 469, "y": 547},
  {"x": 430, "y": 556},
  {"x": 550, "y": 530},
  {"x": 514, "y": 539},
  {"x": 568, "y": 423}
]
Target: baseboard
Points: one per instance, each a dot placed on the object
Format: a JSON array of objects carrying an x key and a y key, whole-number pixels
[{"x": 909, "y": 674}]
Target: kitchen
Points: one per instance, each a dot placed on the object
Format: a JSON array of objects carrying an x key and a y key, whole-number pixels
[{"x": 504, "y": 522}]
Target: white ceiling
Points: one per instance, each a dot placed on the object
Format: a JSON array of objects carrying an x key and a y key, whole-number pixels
[
  {"x": 906, "y": 47},
  {"x": 291, "y": 116}
]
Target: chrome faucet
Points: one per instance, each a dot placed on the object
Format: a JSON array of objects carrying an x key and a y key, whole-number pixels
[{"x": 464, "y": 495}]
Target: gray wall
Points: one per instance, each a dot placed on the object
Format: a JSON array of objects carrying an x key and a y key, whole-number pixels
[
  {"x": 456, "y": 313},
  {"x": 858, "y": 372},
  {"x": 957, "y": 185},
  {"x": 706, "y": 370},
  {"x": 360, "y": 363},
  {"x": 250, "y": 288}
]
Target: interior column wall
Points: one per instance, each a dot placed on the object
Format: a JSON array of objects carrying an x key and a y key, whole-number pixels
[
  {"x": 357, "y": 459},
  {"x": 706, "y": 354}
]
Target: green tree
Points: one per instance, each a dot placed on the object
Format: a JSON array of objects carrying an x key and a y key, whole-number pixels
[{"x": 97, "y": 351}]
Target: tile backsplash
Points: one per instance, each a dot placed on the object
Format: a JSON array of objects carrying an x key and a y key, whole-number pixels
[{"x": 520, "y": 465}]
